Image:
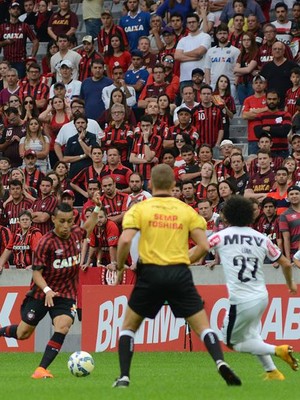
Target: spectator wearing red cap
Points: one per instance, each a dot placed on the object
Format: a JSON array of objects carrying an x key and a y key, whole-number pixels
[{"x": 13, "y": 37}]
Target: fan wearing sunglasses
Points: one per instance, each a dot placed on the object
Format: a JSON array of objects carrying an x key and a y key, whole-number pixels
[{"x": 29, "y": 109}]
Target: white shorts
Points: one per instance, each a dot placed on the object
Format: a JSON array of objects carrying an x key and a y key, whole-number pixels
[{"x": 242, "y": 321}]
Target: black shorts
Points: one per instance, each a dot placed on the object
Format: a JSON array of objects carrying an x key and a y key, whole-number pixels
[
  {"x": 34, "y": 310},
  {"x": 157, "y": 285}
]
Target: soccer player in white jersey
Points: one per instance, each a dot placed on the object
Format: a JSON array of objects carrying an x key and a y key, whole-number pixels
[{"x": 242, "y": 251}]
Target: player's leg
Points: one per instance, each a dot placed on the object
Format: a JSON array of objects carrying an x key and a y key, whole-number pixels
[
  {"x": 131, "y": 324},
  {"x": 200, "y": 325},
  {"x": 20, "y": 332},
  {"x": 62, "y": 314}
]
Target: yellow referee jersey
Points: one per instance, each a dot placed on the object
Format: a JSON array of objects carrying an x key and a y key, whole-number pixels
[{"x": 165, "y": 224}]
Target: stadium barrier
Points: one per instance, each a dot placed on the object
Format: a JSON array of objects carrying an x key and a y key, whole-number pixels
[{"x": 104, "y": 306}]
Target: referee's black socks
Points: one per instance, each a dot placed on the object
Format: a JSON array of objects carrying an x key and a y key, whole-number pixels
[
  {"x": 211, "y": 341},
  {"x": 126, "y": 347}
]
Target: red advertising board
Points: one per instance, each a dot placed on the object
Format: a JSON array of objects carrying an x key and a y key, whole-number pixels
[
  {"x": 11, "y": 299},
  {"x": 104, "y": 307}
]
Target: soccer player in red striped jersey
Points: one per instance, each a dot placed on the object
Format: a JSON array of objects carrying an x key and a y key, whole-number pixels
[
  {"x": 13, "y": 207},
  {"x": 54, "y": 283},
  {"x": 13, "y": 38},
  {"x": 44, "y": 206},
  {"x": 114, "y": 202}
]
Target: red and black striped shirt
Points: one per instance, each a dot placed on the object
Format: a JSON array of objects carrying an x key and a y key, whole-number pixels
[
  {"x": 5, "y": 236},
  {"x": 118, "y": 137},
  {"x": 33, "y": 179},
  {"x": 189, "y": 130},
  {"x": 23, "y": 246},
  {"x": 120, "y": 174},
  {"x": 104, "y": 38},
  {"x": 60, "y": 261},
  {"x": 155, "y": 142},
  {"x": 12, "y": 212},
  {"x": 105, "y": 237},
  {"x": 290, "y": 100},
  {"x": 47, "y": 205},
  {"x": 85, "y": 64},
  {"x": 38, "y": 92},
  {"x": 208, "y": 121},
  {"x": 85, "y": 175},
  {"x": 114, "y": 205},
  {"x": 19, "y": 32}
]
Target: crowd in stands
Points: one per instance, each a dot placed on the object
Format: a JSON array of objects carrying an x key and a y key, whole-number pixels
[{"x": 160, "y": 86}]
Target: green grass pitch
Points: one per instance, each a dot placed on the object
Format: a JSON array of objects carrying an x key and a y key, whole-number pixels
[{"x": 154, "y": 376}]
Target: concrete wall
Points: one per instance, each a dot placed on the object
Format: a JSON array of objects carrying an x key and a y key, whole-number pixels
[{"x": 201, "y": 275}]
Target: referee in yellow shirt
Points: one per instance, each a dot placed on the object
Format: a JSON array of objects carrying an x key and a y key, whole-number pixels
[{"x": 165, "y": 224}]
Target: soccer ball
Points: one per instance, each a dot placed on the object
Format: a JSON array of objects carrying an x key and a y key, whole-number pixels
[{"x": 81, "y": 363}]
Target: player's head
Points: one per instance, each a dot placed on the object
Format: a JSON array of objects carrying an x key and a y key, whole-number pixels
[
  {"x": 245, "y": 215},
  {"x": 162, "y": 178},
  {"x": 63, "y": 220}
]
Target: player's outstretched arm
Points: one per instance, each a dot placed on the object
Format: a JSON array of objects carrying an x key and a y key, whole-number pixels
[
  {"x": 288, "y": 273},
  {"x": 91, "y": 222}
]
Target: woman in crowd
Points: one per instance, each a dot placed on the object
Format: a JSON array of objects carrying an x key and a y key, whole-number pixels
[
  {"x": 207, "y": 176},
  {"x": 117, "y": 55},
  {"x": 42, "y": 20},
  {"x": 165, "y": 114},
  {"x": 205, "y": 154},
  {"x": 226, "y": 190},
  {"x": 207, "y": 18},
  {"x": 246, "y": 64},
  {"x": 117, "y": 97},
  {"x": 56, "y": 185},
  {"x": 291, "y": 165},
  {"x": 180, "y": 140},
  {"x": 222, "y": 97},
  {"x": 61, "y": 169},
  {"x": 212, "y": 195},
  {"x": 15, "y": 101},
  {"x": 29, "y": 109},
  {"x": 4, "y": 67},
  {"x": 37, "y": 141},
  {"x": 54, "y": 117},
  {"x": 29, "y": 192},
  {"x": 52, "y": 48},
  {"x": 63, "y": 22},
  {"x": 22, "y": 243}
]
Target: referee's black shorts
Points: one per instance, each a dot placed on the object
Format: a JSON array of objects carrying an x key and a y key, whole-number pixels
[{"x": 157, "y": 285}]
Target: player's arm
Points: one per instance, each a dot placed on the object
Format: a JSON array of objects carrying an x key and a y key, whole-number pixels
[
  {"x": 202, "y": 247},
  {"x": 288, "y": 273},
  {"x": 123, "y": 250},
  {"x": 38, "y": 279}
]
